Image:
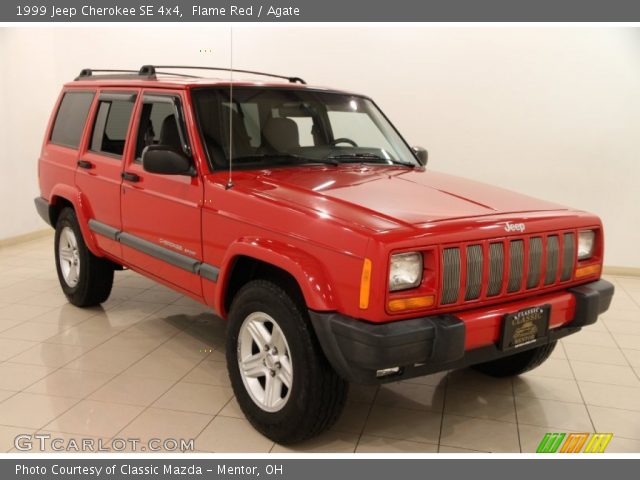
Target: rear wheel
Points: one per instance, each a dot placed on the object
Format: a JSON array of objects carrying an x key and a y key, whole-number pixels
[
  {"x": 281, "y": 379},
  {"x": 518, "y": 363},
  {"x": 86, "y": 280}
]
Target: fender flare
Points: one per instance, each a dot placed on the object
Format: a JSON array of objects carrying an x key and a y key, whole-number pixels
[
  {"x": 309, "y": 272},
  {"x": 83, "y": 213}
]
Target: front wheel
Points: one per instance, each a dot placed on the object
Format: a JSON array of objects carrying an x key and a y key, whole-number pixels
[
  {"x": 282, "y": 380},
  {"x": 86, "y": 280},
  {"x": 518, "y": 363}
]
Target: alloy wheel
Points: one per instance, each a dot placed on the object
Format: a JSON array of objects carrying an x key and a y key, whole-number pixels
[
  {"x": 264, "y": 360},
  {"x": 69, "y": 256}
]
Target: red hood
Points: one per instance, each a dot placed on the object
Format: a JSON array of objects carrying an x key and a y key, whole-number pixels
[{"x": 382, "y": 198}]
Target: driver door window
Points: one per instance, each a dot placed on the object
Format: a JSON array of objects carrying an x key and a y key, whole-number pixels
[{"x": 157, "y": 127}]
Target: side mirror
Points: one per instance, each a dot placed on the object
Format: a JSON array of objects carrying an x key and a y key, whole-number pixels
[
  {"x": 165, "y": 160},
  {"x": 421, "y": 155}
]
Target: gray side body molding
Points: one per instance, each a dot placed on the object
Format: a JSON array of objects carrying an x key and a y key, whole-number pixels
[
  {"x": 176, "y": 259},
  {"x": 104, "y": 230}
]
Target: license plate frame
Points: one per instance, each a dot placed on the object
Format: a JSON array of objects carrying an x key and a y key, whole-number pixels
[{"x": 527, "y": 326}]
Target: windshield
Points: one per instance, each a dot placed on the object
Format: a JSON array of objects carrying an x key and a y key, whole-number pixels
[{"x": 280, "y": 127}]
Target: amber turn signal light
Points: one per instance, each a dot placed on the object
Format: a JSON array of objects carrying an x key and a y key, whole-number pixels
[
  {"x": 588, "y": 270},
  {"x": 365, "y": 284},
  {"x": 412, "y": 303}
]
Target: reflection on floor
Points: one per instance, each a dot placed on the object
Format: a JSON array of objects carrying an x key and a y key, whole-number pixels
[{"x": 150, "y": 364}]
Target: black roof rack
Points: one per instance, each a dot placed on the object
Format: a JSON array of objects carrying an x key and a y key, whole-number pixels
[
  {"x": 88, "y": 74},
  {"x": 150, "y": 71}
]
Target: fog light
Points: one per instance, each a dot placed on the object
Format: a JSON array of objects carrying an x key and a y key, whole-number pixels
[{"x": 385, "y": 372}]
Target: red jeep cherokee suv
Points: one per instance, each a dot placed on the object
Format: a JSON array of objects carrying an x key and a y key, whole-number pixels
[{"x": 303, "y": 217}]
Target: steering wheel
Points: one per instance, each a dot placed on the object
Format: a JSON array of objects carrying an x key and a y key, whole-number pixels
[{"x": 343, "y": 140}]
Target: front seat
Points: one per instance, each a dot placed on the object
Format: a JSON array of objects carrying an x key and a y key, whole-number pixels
[
  {"x": 281, "y": 135},
  {"x": 169, "y": 134},
  {"x": 216, "y": 134}
]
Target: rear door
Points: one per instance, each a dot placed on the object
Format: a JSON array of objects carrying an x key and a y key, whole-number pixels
[
  {"x": 101, "y": 161},
  {"x": 161, "y": 214}
]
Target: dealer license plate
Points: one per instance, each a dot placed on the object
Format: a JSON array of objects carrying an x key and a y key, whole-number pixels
[{"x": 525, "y": 327}]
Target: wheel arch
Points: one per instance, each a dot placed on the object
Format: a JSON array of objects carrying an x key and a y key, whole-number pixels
[
  {"x": 249, "y": 259},
  {"x": 67, "y": 196}
]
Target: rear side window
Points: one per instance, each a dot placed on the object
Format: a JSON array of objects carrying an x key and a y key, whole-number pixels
[
  {"x": 111, "y": 125},
  {"x": 71, "y": 117}
]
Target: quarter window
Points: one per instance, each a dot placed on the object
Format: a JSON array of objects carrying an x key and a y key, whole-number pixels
[{"x": 71, "y": 118}]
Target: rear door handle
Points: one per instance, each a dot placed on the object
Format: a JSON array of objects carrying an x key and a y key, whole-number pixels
[
  {"x": 130, "y": 177},
  {"x": 85, "y": 164}
]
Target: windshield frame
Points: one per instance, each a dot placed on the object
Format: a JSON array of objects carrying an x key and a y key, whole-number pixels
[{"x": 213, "y": 167}]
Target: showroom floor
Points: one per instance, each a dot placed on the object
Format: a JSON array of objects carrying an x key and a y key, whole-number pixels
[{"x": 150, "y": 365}]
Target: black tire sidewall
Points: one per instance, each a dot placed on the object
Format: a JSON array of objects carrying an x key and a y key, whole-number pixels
[
  {"x": 252, "y": 298},
  {"x": 68, "y": 218}
]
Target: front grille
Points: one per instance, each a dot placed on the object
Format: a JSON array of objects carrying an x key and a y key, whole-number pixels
[
  {"x": 552, "y": 259},
  {"x": 490, "y": 268},
  {"x": 535, "y": 262},
  {"x": 474, "y": 272},
  {"x": 451, "y": 277},
  {"x": 516, "y": 265},
  {"x": 496, "y": 267},
  {"x": 568, "y": 254}
]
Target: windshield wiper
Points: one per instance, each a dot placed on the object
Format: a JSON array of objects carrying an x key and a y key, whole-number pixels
[
  {"x": 367, "y": 156},
  {"x": 283, "y": 157}
]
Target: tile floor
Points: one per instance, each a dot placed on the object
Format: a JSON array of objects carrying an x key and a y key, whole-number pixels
[{"x": 150, "y": 364}]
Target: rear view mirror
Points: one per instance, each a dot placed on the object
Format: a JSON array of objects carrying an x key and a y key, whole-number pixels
[
  {"x": 421, "y": 155},
  {"x": 164, "y": 160}
]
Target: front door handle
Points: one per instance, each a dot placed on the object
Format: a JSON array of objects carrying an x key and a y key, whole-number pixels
[
  {"x": 85, "y": 164},
  {"x": 130, "y": 177}
]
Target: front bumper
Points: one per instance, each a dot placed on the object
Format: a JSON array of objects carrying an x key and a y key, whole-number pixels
[{"x": 420, "y": 346}]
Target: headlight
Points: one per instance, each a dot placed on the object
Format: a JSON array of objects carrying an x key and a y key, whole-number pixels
[
  {"x": 405, "y": 271},
  {"x": 586, "y": 241}
]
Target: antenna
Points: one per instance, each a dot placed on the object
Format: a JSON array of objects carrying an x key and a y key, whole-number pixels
[{"x": 230, "y": 179}]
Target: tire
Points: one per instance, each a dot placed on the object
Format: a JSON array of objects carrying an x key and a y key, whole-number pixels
[
  {"x": 518, "y": 363},
  {"x": 315, "y": 396},
  {"x": 93, "y": 279}
]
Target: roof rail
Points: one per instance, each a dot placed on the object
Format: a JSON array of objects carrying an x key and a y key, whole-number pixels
[
  {"x": 151, "y": 70},
  {"x": 88, "y": 74}
]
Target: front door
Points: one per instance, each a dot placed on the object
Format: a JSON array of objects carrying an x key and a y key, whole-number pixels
[{"x": 161, "y": 214}]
